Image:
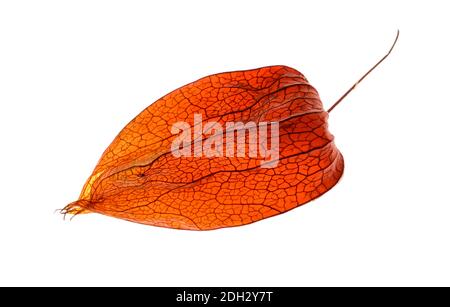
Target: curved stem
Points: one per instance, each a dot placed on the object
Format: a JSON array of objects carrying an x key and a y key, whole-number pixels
[{"x": 365, "y": 75}]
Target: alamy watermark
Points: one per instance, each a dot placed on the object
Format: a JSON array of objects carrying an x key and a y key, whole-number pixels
[{"x": 234, "y": 139}]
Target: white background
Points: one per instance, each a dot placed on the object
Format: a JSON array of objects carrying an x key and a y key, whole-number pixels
[{"x": 73, "y": 73}]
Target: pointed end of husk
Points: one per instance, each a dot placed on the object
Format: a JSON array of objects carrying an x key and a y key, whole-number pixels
[{"x": 77, "y": 207}]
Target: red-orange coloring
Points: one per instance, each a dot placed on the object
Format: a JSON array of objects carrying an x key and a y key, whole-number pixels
[{"x": 139, "y": 179}]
